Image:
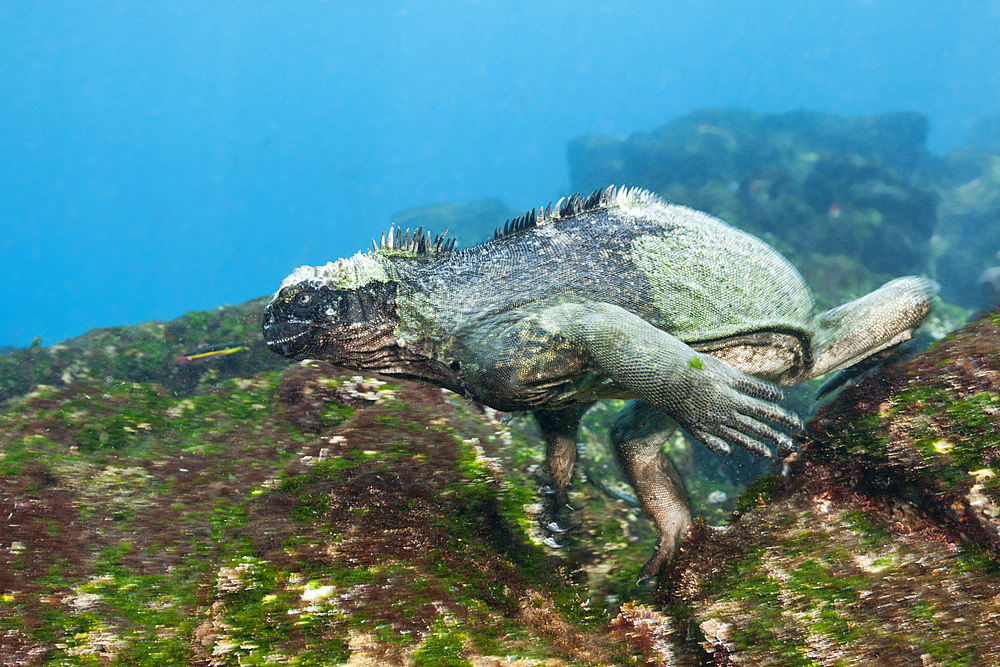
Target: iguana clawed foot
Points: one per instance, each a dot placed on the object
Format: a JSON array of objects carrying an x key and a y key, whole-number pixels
[
  {"x": 553, "y": 504},
  {"x": 720, "y": 406}
]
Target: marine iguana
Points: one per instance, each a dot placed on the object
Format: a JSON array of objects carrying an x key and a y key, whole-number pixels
[{"x": 614, "y": 295}]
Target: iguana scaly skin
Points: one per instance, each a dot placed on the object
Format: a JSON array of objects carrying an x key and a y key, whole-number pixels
[{"x": 616, "y": 295}]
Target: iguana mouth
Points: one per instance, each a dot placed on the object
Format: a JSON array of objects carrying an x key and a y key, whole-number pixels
[{"x": 288, "y": 338}]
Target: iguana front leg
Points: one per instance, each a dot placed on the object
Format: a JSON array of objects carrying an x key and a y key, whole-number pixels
[
  {"x": 713, "y": 402},
  {"x": 559, "y": 429}
]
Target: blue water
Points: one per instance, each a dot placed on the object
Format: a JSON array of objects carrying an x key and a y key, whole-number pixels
[{"x": 161, "y": 157}]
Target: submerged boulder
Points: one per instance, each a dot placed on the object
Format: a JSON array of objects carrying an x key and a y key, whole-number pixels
[
  {"x": 967, "y": 243},
  {"x": 880, "y": 543}
]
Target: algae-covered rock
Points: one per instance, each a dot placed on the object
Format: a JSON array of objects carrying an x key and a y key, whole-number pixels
[
  {"x": 303, "y": 515},
  {"x": 879, "y": 545},
  {"x": 294, "y": 516},
  {"x": 929, "y": 431},
  {"x": 148, "y": 352}
]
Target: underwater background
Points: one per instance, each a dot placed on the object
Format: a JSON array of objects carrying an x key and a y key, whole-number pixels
[{"x": 159, "y": 158}]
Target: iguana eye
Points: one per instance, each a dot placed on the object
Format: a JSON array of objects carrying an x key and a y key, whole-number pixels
[{"x": 303, "y": 299}]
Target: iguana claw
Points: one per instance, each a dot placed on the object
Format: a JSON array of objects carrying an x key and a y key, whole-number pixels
[
  {"x": 555, "y": 527},
  {"x": 551, "y": 543}
]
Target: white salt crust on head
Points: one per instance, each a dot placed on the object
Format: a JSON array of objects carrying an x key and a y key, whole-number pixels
[{"x": 350, "y": 273}]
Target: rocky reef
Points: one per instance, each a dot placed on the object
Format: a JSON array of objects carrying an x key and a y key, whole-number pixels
[
  {"x": 852, "y": 200},
  {"x": 304, "y": 516},
  {"x": 223, "y": 515}
]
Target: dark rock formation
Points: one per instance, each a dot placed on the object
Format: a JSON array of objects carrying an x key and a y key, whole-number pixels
[{"x": 967, "y": 242}]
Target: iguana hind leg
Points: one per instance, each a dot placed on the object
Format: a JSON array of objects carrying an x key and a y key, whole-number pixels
[
  {"x": 637, "y": 435},
  {"x": 847, "y": 334},
  {"x": 559, "y": 429}
]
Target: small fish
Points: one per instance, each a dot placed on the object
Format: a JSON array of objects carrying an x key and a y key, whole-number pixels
[{"x": 210, "y": 351}]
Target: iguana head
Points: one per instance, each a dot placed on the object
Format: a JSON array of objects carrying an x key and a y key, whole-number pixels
[
  {"x": 343, "y": 312},
  {"x": 346, "y": 313}
]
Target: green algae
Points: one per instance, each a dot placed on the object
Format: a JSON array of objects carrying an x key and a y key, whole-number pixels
[
  {"x": 20, "y": 452},
  {"x": 441, "y": 647},
  {"x": 961, "y": 440},
  {"x": 145, "y": 617},
  {"x": 873, "y": 535},
  {"x": 832, "y": 588},
  {"x": 759, "y": 492},
  {"x": 336, "y": 414},
  {"x": 809, "y": 590},
  {"x": 928, "y": 433},
  {"x": 474, "y": 493},
  {"x": 973, "y": 557}
]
